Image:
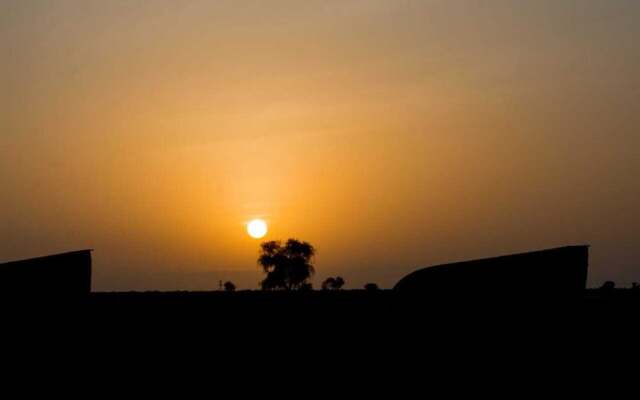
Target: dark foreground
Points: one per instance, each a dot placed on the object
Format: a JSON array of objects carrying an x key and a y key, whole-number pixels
[
  {"x": 220, "y": 311},
  {"x": 373, "y": 330}
]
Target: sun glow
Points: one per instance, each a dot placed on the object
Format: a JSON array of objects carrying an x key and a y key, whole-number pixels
[{"x": 257, "y": 228}]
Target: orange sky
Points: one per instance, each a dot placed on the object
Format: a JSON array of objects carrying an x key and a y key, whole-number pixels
[{"x": 390, "y": 134}]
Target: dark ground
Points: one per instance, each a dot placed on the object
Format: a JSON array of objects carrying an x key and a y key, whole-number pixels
[
  {"x": 218, "y": 312},
  {"x": 252, "y": 332}
]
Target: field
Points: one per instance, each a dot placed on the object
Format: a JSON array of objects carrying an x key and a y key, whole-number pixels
[
  {"x": 354, "y": 307},
  {"x": 318, "y": 324}
]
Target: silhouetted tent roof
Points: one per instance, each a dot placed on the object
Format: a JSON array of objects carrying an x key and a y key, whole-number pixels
[
  {"x": 66, "y": 273},
  {"x": 559, "y": 270}
]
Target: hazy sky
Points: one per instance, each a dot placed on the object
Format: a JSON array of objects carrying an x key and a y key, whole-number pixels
[{"x": 390, "y": 134}]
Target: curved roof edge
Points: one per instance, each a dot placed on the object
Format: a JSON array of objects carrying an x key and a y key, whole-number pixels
[
  {"x": 67, "y": 253},
  {"x": 460, "y": 263}
]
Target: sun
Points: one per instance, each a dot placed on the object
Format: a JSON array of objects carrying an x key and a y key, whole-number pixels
[{"x": 257, "y": 228}]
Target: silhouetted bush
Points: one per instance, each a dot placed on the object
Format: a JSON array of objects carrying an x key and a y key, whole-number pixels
[
  {"x": 608, "y": 286},
  {"x": 328, "y": 283},
  {"x": 306, "y": 287},
  {"x": 229, "y": 286},
  {"x": 333, "y": 283},
  {"x": 287, "y": 266},
  {"x": 635, "y": 288},
  {"x": 371, "y": 287}
]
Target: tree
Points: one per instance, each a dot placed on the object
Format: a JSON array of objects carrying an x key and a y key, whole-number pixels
[
  {"x": 229, "y": 286},
  {"x": 333, "y": 283},
  {"x": 608, "y": 286},
  {"x": 287, "y": 266},
  {"x": 306, "y": 287},
  {"x": 328, "y": 283},
  {"x": 371, "y": 287}
]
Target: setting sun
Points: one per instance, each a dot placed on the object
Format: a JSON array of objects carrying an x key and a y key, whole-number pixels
[
  {"x": 175, "y": 138},
  {"x": 257, "y": 228}
]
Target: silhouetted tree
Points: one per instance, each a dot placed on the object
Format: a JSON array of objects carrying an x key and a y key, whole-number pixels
[
  {"x": 287, "y": 266},
  {"x": 229, "y": 286},
  {"x": 306, "y": 287},
  {"x": 608, "y": 286},
  {"x": 333, "y": 283},
  {"x": 371, "y": 287},
  {"x": 328, "y": 283}
]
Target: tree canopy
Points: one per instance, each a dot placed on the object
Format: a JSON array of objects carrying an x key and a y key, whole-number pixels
[{"x": 288, "y": 266}]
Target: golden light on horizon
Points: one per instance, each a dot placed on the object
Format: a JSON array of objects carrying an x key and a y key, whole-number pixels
[{"x": 257, "y": 228}]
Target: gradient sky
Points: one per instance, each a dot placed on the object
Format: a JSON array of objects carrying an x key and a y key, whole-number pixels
[{"x": 390, "y": 134}]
